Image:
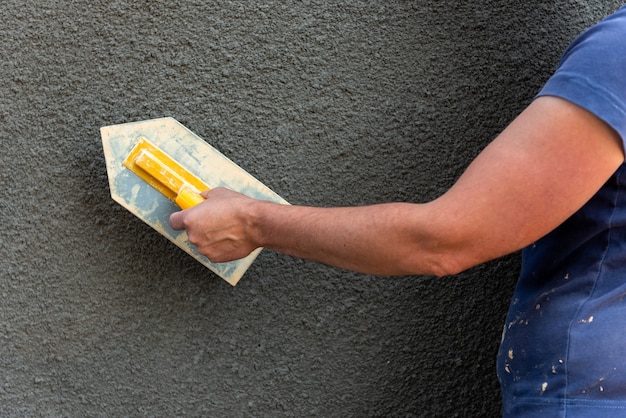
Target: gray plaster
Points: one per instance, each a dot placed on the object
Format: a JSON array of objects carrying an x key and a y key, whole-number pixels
[{"x": 328, "y": 103}]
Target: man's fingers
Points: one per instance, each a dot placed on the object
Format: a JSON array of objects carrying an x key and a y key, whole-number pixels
[{"x": 176, "y": 221}]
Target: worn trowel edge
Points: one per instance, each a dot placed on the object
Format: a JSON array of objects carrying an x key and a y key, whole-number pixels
[{"x": 199, "y": 158}]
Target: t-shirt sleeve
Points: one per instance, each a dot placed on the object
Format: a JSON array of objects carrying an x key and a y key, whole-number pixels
[{"x": 592, "y": 72}]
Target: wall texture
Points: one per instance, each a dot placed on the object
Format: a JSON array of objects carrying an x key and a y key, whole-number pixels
[{"x": 328, "y": 103}]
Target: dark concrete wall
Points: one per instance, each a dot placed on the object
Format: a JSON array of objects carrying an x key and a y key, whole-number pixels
[{"x": 328, "y": 103}]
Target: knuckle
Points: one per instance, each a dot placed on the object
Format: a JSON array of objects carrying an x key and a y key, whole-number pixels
[{"x": 193, "y": 238}]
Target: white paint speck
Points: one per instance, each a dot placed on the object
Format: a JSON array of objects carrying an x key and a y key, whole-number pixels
[
  {"x": 511, "y": 353},
  {"x": 544, "y": 386}
]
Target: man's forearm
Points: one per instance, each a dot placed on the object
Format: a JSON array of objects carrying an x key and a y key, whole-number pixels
[{"x": 386, "y": 239}]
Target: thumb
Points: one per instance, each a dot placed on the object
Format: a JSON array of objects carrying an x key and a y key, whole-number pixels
[{"x": 176, "y": 221}]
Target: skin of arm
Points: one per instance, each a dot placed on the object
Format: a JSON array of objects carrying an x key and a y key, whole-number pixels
[{"x": 540, "y": 170}]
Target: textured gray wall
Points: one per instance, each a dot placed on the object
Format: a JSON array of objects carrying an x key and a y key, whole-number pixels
[{"x": 328, "y": 103}]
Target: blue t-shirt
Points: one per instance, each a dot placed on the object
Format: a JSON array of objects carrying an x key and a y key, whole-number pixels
[{"x": 563, "y": 350}]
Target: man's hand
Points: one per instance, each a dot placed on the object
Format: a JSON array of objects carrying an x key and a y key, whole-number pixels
[{"x": 219, "y": 227}]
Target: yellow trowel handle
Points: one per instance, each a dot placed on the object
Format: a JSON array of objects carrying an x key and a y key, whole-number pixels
[
  {"x": 167, "y": 174},
  {"x": 188, "y": 198}
]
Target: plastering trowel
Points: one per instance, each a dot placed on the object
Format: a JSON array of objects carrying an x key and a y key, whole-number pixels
[{"x": 156, "y": 167}]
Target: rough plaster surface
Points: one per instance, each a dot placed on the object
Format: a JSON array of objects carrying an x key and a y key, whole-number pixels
[{"x": 328, "y": 103}]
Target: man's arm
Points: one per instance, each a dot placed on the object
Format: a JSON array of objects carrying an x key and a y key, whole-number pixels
[{"x": 541, "y": 169}]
